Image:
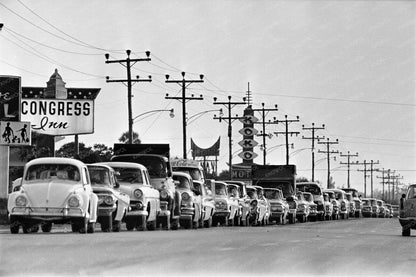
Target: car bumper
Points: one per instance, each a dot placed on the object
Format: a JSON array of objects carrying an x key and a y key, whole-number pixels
[
  {"x": 105, "y": 211},
  {"x": 47, "y": 213},
  {"x": 221, "y": 214},
  {"x": 187, "y": 211}
]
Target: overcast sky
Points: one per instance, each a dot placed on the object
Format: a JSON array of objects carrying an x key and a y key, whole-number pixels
[{"x": 347, "y": 64}]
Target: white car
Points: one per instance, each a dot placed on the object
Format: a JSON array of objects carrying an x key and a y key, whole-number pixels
[
  {"x": 112, "y": 203},
  {"x": 134, "y": 181},
  {"x": 53, "y": 190}
]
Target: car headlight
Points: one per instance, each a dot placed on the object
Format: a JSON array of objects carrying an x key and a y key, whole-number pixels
[
  {"x": 186, "y": 196},
  {"x": 100, "y": 199},
  {"x": 109, "y": 200},
  {"x": 164, "y": 194},
  {"x": 73, "y": 202},
  {"x": 138, "y": 193},
  {"x": 21, "y": 201}
]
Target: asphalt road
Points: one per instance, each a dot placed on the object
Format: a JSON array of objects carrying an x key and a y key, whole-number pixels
[{"x": 364, "y": 247}]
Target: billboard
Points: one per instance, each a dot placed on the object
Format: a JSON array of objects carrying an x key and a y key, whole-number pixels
[
  {"x": 58, "y": 117},
  {"x": 10, "y": 98}
]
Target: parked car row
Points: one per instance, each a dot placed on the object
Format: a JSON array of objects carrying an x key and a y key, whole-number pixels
[
  {"x": 373, "y": 207},
  {"x": 62, "y": 190}
]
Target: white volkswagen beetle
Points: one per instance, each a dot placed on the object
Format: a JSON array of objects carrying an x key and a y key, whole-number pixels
[{"x": 53, "y": 190}]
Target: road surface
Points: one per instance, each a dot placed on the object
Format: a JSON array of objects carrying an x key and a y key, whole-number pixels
[{"x": 364, "y": 247}]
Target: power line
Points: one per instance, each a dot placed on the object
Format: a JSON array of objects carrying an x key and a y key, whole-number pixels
[
  {"x": 50, "y": 47},
  {"x": 46, "y": 58},
  {"x": 62, "y": 32}
]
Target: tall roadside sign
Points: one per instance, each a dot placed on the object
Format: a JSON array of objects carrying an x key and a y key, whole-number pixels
[{"x": 10, "y": 94}]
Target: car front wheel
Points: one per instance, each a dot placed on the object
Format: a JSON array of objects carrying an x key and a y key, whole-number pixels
[{"x": 406, "y": 232}]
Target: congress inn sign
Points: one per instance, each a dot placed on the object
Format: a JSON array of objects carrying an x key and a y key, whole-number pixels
[
  {"x": 56, "y": 110},
  {"x": 59, "y": 117}
]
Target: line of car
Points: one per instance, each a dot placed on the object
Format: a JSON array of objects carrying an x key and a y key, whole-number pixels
[{"x": 63, "y": 190}]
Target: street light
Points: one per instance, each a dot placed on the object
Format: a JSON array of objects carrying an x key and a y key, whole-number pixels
[
  {"x": 171, "y": 114},
  {"x": 197, "y": 115}
]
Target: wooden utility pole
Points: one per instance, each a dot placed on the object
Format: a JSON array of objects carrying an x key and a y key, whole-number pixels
[
  {"x": 383, "y": 171},
  {"x": 328, "y": 152},
  {"x": 263, "y": 122},
  {"x": 371, "y": 174},
  {"x": 365, "y": 163},
  {"x": 229, "y": 119},
  {"x": 348, "y": 163},
  {"x": 183, "y": 98},
  {"x": 287, "y": 133},
  {"x": 313, "y": 137},
  {"x": 128, "y": 63}
]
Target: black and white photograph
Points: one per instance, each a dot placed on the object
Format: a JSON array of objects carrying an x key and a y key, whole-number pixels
[{"x": 208, "y": 138}]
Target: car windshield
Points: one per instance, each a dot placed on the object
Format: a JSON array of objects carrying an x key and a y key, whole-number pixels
[
  {"x": 195, "y": 173},
  {"x": 314, "y": 189},
  {"x": 53, "y": 171},
  {"x": 154, "y": 164},
  {"x": 331, "y": 195},
  {"x": 349, "y": 197},
  {"x": 232, "y": 191},
  {"x": 182, "y": 182},
  {"x": 339, "y": 195},
  {"x": 299, "y": 196},
  {"x": 411, "y": 193},
  {"x": 308, "y": 197},
  {"x": 373, "y": 202},
  {"x": 285, "y": 187},
  {"x": 252, "y": 193},
  {"x": 220, "y": 190},
  {"x": 99, "y": 176},
  {"x": 200, "y": 188},
  {"x": 271, "y": 194},
  {"x": 129, "y": 175}
]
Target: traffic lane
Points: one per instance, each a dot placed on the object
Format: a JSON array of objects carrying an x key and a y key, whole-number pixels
[{"x": 365, "y": 246}]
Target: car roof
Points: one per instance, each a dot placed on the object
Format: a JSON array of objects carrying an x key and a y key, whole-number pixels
[
  {"x": 183, "y": 174},
  {"x": 124, "y": 164},
  {"x": 101, "y": 165},
  {"x": 56, "y": 160}
]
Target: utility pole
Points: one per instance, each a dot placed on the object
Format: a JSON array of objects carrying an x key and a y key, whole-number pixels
[
  {"x": 128, "y": 63},
  {"x": 183, "y": 98},
  {"x": 287, "y": 133},
  {"x": 392, "y": 180},
  {"x": 229, "y": 105},
  {"x": 371, "y": 174},
  {"x": 313, "y": 137},
  {"x": 348, "y": 163},
  {"x": 383, "y": 171},
  {"x": 263, "y": 123},
  {"x": 365, "y": 175},
  {"x": 328, "y": 152}
]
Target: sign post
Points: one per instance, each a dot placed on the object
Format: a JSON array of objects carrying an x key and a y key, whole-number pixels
[{"x": 10, "y": 88}]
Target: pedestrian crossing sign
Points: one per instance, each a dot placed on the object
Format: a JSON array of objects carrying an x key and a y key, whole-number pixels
[{"x": 15, "y": 133}]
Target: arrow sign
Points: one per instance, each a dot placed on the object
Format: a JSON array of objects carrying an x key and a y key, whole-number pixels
[
  {"x": 248, "y": 119},
  {"x": 247, "y": 155},
  {"x": 248, "y": 131},
  {"x": 248, "y": 143}
]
